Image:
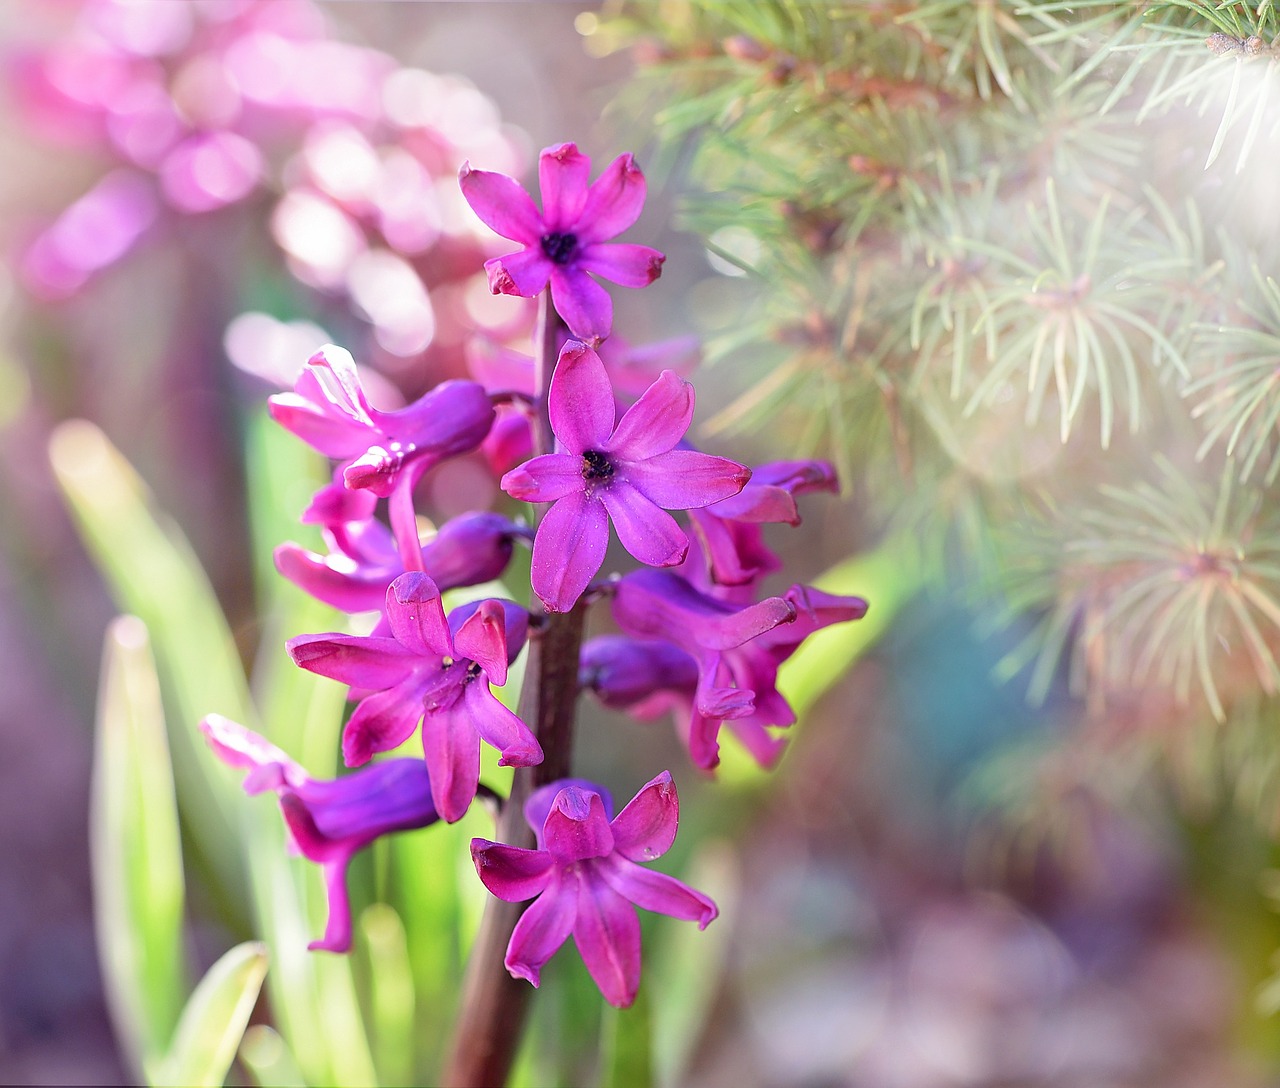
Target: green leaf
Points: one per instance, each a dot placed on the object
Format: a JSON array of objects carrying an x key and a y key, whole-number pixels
[
  {"x": 136, "y": 850},
  {"x": 214, "y": 1020},
  {"x": 391, "y": 993}
]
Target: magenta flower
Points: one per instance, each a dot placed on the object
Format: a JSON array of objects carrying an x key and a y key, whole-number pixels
[
  {"x": 587, "y": 880},
  {"x": 329, "y": 411},
  {"x": 432, "y": 670},
  {"x": 629, "y": 472},
  {"x": 563, "y": 244},
  {"x": 328, "y": 821}
]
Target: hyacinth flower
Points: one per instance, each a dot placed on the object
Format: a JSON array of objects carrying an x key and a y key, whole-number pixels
[
  {"x": 434, "y": 670},
  {"x": 363, "y": 562},
  {"x": 329, "y": 821},
  {"x": 563, "y": 245},
  {"x": 588, "y": 881},
  {"x": 626, "y": 470}
]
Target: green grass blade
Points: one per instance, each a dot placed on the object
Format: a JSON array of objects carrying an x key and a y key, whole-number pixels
[{"x": 136, "y": 850}]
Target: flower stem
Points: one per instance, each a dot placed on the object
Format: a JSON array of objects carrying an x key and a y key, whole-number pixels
[{"x": 494, "y": 1005}]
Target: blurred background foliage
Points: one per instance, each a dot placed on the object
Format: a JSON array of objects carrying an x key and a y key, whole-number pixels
[{"x": 1008, "y": 264}]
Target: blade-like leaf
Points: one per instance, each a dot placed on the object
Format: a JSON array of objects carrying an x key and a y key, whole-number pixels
[{"x": 136, "y": 850}]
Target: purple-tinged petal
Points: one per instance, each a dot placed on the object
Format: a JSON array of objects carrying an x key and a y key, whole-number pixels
[
  {"x": 524, "y": 273},
  {"x": 656, "y": 422},
  {"x": 482, "y": 637},
  {"x": 580, "y": 402},
  {"x": 348, "y": 590},
  {"x": 332, "y": 434},
  {"x": 568, "y": 550},
  {"x": 336, "y": 504},
  {"x": 563, "y": 172},
  {"x": 577, "y": 827},
  {"x": 545, "y": 478},
  {"x": 765, "y": 748},
  {"x": 664, "y": 605},
  {"x": 501, "y": 204},
  {"x": 735, "y": 553},
  {"x": 337, "y": 929},
  {"x": 585, "y": 306},
  {"x": 538, "y": 805},
  {"x": 687, "y": 479},
  {"x": 607, "y": 933},
  {"x": 471, "y": 548},
  {"x": 382, "y": 721},
  {"x": 452, "y": 752},
  {"x": 623, "y": 671},
  {"x": 543, "y": 927},
  {"x": 391, "y": 795},
  {"x": 245, "y": 750},
  {"x": 774, "y": 485},
  {"x": 498, "y": 726},
  {"x": 511, "y": 873},
  {"x": 720, "y": 702},
  {"x": 614, "y": 202},
  {"x": 634, "y": 368},
  {"x": 359, "y": 660},
  {"x": 417, "y": 616},
  {"x": 498, "y": 368},
  {"x": 510, "y": 440},
  {"x": 516, "y": 623},
  {"x": 622, "y": 263},
  {"x": 646, "y": 828},
  {"x": 701, "y": 735},
  {"x": 657, "y": 892},
  {"x": 647, "y": 531},
  {"x": 331, "y": 374}
]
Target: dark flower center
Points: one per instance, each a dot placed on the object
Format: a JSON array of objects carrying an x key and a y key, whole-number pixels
[
  {"x": 559, "y": 247},
  {"x": 596, "y": 466},
  {"x": 473, "y": 673}
]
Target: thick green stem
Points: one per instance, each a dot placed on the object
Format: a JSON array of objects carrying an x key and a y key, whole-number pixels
[{"x": 494, "y": 1005}]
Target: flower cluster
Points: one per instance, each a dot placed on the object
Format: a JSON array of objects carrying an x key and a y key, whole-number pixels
[{"x": 697, "y": 637}]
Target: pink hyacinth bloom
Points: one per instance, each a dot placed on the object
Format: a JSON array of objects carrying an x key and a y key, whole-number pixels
[
  {"x": 628, "y": 471},
  {"x": 434, "y": 670},
  {"x": 588, "y": 880},
  {"x": 328, "y": 821},
  {"x": 329, "y": 411},
  {"x": 563, "y": 243}
]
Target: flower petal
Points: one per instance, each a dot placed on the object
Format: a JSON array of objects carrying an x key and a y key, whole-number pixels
[
  {"x": 580, "y": 401},
  {"x": 656, "y": 422},
  {"x": 577, "y": 827},
  {"x": 362, "y": 661},
  {"x": 511, "y": 873},
  {"x": 245, "y": 750},
  {"x": 656, "y": 891},
  {"x": 563, "y": 172},
  {"x": 499, "y": 726},
  {"x": 546, "y": 478},
  {"x": 614, "y": 202},
  {"x": 482, "y": 638},
  {"x": 352, "y": 589},
  {"x": 647, "y": 531},
  {"x": 646, "y": 828},
  {"x": 452, "y": 751},
  {"x": 622, "y": 263},
  {"x": 685, "y": 479},
  {"x": 382, "y": 721},
  {"x": 543, "y": 927},
  {"x": 585, "y": 306},
  {"x": 416, "y": 616},
  {"x": 501, "y": 204},
  {"x": 337, "y": 929},
  {"x": 568, "y": 550},
  {"x": 607, "y": 933},
  {"x": 538, "y": 805},
  {"x": 525, "y": 272},
  {"x": 390, "y": 795}
]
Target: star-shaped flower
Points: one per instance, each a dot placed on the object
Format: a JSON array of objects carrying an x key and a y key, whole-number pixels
[
  {"x": 628, "y": 471},
  {"x": 563, "y": 243}
]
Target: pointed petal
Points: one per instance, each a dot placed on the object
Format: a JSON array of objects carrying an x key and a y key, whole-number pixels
[
  {"x": 546, "y": 478},
  {"x": 540, "y": 802},
  {"x": 613, "y": 203},
  {"x": 622, "y": 263},
  {"x": 337, "y": 929},
  {"x": 452, "y": 751},
  {"x": 585, "y": 306},
  {"x": 735, "y": 552},
  {"x": 563, "y": 172},
  {"x": 361, "y": 661},
  {"x": 390, "y": 795},
  {"x": 543, "y": 927},
  {"x": 607, "y": 933},
  {"x": 501, "y": 204},
  {"x": 382, "y": 721},
  {"x": 417, "y": 617},
  {"x": 656, "y": 422},
  {"x": 511, "y": 873},
  {"x": 702, "y": 737},
  {"x": 350, "y": 590},
  {"x": 499, "y": 726},
  {"x": 765, "y": 748},
  {"x": 646, "y": 828},
  {"x": 525, "y": 272},
  {"x": 568, "y": 550},
  {"x": 580, "y": 401},
  {"x": 656, "y": 891},
  {"x": 331, "y": 433},
  {"x": 482, "y": 638},
  {"x": 647, "y": 531},
  {"x": 685, "y": 479},
  {"x": 577, "y": 827},
  {"x": 245, "y": 750}
]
